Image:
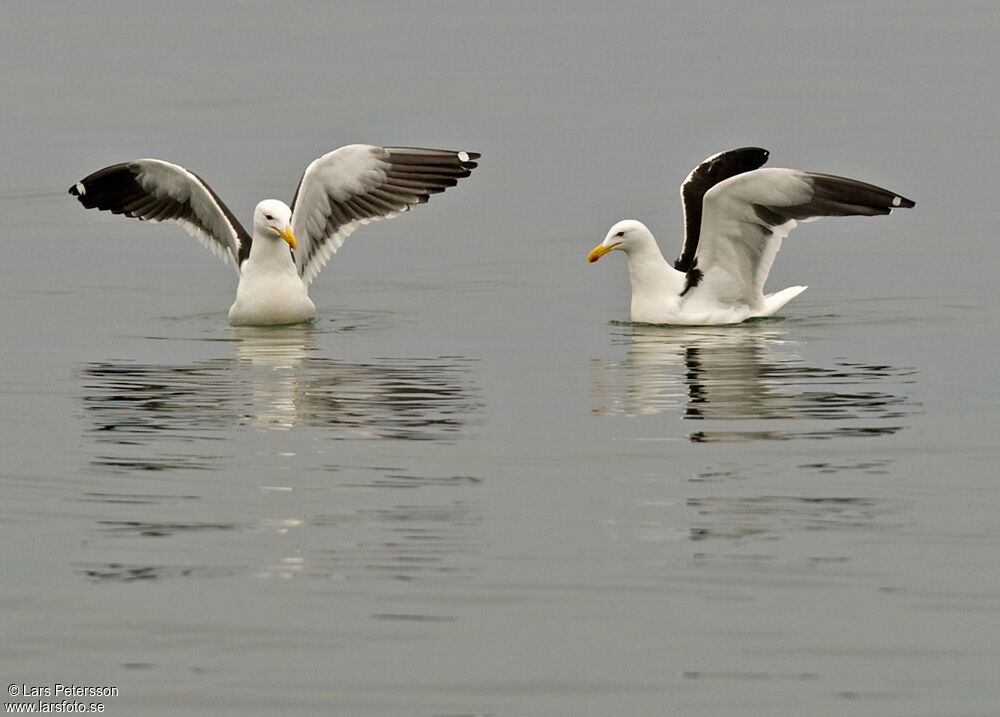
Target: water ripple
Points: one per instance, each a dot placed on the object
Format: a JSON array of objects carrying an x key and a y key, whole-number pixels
[
  {"x": 766, "y": 516},
  {"x": 275, "y": 381},
  {"x": 748, "y": 373}
]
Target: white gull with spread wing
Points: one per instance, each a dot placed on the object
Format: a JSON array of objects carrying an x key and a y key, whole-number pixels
[
  {"x": 338, "y": 192},
  {"x": 735, "y": 216}
]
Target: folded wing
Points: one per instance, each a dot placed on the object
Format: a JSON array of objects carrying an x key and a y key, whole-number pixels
[
  {"x": 157, "y": 191},
  {"x": 361, "y": 183},
  {"x": 746, "y": 217}
]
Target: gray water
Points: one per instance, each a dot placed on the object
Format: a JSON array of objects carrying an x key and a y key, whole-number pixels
[{"x": 471, "y": 487}]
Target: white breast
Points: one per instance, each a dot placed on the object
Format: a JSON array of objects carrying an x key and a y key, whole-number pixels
[{"x": 270, "y": 291}]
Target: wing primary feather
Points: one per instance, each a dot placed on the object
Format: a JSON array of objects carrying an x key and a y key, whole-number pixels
[
  {"x": 161, "y": 211},
  {"x": 834, "y": 196},
  {"x": 137, "y": 207},
  {"x": 398, "y": 157},
  {"x": 405, "y": 183},
  {"x": 366, "y": 207},
  {"x": 384, "y": 203},
  {"x": 852, "y": 193},
  {"x": 416, "y": 155},
  {"x": 356, "y": 206},
  {"x": 430, "y": 176},
  {"x": 337, "y": 217},
  {"x": 392, "y": 197}
]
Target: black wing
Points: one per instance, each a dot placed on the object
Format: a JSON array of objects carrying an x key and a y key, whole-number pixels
[
  {"x": 706, "y": 175},
  {"x": 157, "y": 191}
]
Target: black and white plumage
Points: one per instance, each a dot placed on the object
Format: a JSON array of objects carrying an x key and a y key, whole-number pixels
[
  {"x": 338, "y": 192},
  {"x": 736, "y": 215}
]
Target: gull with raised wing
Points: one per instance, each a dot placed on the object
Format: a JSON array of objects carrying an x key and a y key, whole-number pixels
[
  {"x": 338, "y": 192},
  {"x": 736, "y": 214}
]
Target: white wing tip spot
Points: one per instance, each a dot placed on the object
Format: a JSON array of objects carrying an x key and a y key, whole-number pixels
[
  {"x": 463, "y": 156},
  {"x": 80, "y": 189},
  {"x": 897, "y": 201}
]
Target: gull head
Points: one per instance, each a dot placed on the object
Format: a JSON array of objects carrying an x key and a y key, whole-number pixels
[
  {"x": 272, "y": 219},
  {"x": 624, "y": 235}
]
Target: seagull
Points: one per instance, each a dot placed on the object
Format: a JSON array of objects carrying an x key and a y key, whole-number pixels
[
  {"x": 735, "y": 215},
  {"x": 338, "y": 192}
]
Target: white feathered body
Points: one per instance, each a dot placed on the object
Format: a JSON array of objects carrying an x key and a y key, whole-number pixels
[
  {"x": 270, "y": 289},
  {"x": 658, "y": 295},
  {"x": 736, "y": 217}
]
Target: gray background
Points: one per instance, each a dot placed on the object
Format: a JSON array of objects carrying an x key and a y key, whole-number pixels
[{"x": 471, "y": 487}]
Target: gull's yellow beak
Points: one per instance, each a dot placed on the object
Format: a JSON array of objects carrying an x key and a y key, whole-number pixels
[
  {"x": 287, "y": 235},
  {"x": 599, "y": 251}
]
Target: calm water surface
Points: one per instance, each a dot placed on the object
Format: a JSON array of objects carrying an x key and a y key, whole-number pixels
[{"x": 471, "y": 487}]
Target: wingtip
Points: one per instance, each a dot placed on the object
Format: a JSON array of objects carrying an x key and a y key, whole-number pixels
[
  {"x": 78, "y": 190},
  {"x": 467, "y": 160}
]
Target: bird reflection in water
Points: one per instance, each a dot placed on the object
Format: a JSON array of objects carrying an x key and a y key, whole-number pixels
[
  {"x": 276, "y": 380},
  {"x": 273, "y": 360},
  {"x": 142, "y": 417},
  {"x": 747, "y": 372}
]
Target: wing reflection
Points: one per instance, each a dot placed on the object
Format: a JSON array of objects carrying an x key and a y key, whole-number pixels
[
  {"x": 746, "y": 372},
  {"x": 275, "y": 380}
]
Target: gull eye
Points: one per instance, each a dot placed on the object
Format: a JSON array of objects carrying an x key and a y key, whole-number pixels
[
  {"x": 620, "y": 234},
  {"x": 268, "y": 217}
]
